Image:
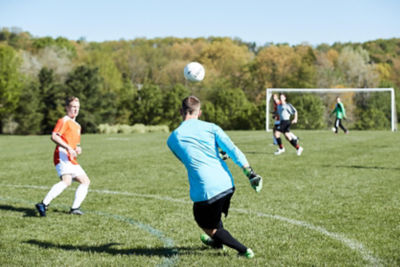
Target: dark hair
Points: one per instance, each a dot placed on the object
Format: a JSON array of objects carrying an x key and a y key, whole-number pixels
[
  {"x": 190, "y": 104},
  {"x": 70, "y": 99}
]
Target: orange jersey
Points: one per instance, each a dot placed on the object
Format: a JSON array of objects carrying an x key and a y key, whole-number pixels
[{"x": 70, "y": 132}]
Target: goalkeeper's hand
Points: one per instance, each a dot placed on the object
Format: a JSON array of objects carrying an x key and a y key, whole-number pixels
[
  {"x": 223, "y": 155},
  {"x": 254, "y": 179}
]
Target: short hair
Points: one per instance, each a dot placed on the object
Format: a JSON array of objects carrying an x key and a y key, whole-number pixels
[
  {"x": 70, "y": 99},
  {"x": 190, "y": 104}
]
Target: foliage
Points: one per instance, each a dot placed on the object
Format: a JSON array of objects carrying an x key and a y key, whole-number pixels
[
  {"x": 127, "y": 129},
  {"x": 310, "y": 111},
  {"x": 29, "y": 113},
  {"x": 141, "y": 81},
  {"x": 148, "y": 105},
  {"x": 52, "y": 98},
  {"x": 172, "y": 104},
  {"x": 10, "y": 82}
]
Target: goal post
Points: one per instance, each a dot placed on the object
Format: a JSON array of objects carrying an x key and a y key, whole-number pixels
[{"x": 271, "y": 91}]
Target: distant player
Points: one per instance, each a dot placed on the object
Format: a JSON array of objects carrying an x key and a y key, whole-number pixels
[
  {"x": 285, "y": 111},
  {"x": 196, "y": 144},
  {"x": 67, "y": 136},
  {"x": 277, "y": 121},
  {"x": 340, "y": 114}
]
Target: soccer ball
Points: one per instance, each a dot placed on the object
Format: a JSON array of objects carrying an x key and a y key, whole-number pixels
[
  {"x": 333, "y": 129},
  {"x": 194, "y": 72}
]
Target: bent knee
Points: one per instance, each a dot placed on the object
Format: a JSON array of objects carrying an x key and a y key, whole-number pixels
[{"x": 85, "y": 181}]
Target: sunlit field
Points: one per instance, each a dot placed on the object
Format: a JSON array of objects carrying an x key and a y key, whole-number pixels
[{"x": 336, "y": 205}]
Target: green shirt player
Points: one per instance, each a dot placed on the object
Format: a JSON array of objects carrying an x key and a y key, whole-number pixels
[{"x": 340, "y": 114}]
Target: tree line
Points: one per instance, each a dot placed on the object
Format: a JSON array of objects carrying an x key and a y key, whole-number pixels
[{"x": 141, "y": 80}]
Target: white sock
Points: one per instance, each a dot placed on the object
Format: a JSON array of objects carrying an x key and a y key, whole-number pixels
[
  {"x": 80, "y": 195},
  {"x": 54, "y": 192}
]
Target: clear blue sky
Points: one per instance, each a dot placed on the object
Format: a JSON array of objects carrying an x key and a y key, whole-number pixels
[{"x": 278, "y": 21}]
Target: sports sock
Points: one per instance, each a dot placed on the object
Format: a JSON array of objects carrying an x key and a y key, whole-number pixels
[
  {"x": 294, "y": 143},
  {"x": 226, "y": 238},
  {"x": 80, "y": 195},
  {"x": 279, "y": 140},
  {"x": 54, "y": 192}
]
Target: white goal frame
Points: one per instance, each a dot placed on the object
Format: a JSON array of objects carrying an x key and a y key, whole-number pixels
[{"x": 270, "y": 91}]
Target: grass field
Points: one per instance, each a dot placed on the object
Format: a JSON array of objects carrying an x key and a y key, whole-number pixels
[{"x": 336, "y": 205}]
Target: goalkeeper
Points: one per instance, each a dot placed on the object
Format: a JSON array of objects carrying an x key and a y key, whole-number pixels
[
  {"x": 195, "y": 143},
  {"x": 340, "y": 114}
]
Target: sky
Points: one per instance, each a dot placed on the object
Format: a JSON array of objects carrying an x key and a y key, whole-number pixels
[{"x": 263, "y": 21}]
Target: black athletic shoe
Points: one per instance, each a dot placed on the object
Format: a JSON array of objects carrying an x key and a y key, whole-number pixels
[{"x": 41, "y": 208}]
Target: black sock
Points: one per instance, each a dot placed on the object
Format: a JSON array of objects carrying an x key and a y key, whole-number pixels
[
  {"x": 293, "y": 142},
  {"x": 279, "y": 141},
  {"x": 226, "y": 238}
]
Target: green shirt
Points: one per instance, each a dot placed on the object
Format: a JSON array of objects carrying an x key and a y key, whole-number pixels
[{"x": 340, "y": 111}]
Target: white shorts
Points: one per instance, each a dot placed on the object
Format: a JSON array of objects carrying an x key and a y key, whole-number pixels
[{"x": 66, "y": 167}]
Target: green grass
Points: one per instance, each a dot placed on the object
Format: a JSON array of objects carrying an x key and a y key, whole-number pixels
[{"x": 336, "y": 205}]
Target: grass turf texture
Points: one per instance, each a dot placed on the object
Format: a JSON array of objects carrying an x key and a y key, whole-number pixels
[{"x": 337, "y": 204}]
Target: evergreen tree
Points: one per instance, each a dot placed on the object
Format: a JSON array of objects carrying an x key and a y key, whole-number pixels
[
  {"x": 28, "y": 114},
  {"x": 52, "y": 99}
]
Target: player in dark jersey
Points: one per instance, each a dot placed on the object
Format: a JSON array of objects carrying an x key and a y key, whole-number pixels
[{"x": 285, "y": 111}]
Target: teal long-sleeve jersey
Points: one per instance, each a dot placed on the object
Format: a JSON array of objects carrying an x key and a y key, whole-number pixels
[
  {"x": 195, "y": 143},
  {"x": 339, "y": 110}
]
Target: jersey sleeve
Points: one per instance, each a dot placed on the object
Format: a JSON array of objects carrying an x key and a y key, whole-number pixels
[
  {"x": 342, "y": 108},
  {"x": 172, "y": 145},
  {"x": 226, "y": 144},
  {"x": 293, "y": 110},
  {"x": 60, "y": 127}
]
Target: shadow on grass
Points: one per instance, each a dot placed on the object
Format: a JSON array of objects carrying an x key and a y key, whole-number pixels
[
  {"x": 256, "y": 152},
  {"x": 28, "y": 212},
  {"x": 107, "y": 248},
  {"x": 362, "y": 167}
]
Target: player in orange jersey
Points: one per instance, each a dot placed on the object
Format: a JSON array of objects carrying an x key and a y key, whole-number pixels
[{"x": 67, "y": 136}]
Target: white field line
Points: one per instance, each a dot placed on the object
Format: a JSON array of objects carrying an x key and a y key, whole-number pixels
[{"x": 352, "y": 244}]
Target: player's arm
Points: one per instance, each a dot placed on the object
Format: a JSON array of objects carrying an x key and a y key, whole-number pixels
[
  {"x": 226, "y": 144},
  {"x": 171, "y": 145},
  {"x": 56, "y": 138},
  {"x": 294, "y": 113},
  {"x": 344, "y": 111}
]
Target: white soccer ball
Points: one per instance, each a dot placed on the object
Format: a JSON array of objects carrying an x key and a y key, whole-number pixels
[
  {"x": 194, "y": 72},
  {"x": 333, "y": 129}
]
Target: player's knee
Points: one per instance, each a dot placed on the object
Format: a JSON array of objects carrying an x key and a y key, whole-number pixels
[
  {"x": 66, "y": 179},
  {"x": 85, "y": 180},
  {"x": 67, "y": 182}
]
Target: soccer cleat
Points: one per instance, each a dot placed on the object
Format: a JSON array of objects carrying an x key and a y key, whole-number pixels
[
  {"x": 41, "y": 208},
  {"x": 248, "y": 254},
  {"x": 279, "y": 151},
  {"x": 299, "y": 151},
  {"x": 76, "y": 211},
  {"x": 208, "y": 241}
]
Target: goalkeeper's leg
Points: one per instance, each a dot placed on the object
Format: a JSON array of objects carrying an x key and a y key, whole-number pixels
[{"x": 342, "y": 126}]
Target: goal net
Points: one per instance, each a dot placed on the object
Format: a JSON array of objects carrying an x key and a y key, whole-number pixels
[{"x": 366, "y": 108}]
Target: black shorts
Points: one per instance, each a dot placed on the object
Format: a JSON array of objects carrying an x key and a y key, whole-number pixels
[
  {"x": 208, "y": 215},
  {"x": 284, "y": 127}
]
